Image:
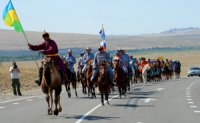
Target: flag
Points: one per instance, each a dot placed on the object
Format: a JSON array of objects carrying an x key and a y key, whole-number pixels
[
  {"x": 103, "y": 43},
  {"x": 10, "y": 17},
  {"x": 102, "y": 33}
]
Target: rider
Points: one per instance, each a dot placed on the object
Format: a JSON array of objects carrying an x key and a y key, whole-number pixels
[
  {"x": 132, "y": 62},
  {"x": 88, "y": 56},
  {"x": 80, "y": 65},
  {"x": 126, "y": 61},
  {"x": 49, "y": 48},
  {"x": 99, "y": 57},
  {"x": 71, "y": 60}
]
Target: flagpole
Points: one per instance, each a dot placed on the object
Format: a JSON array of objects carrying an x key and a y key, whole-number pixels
[{"x": 28, "y": 43}]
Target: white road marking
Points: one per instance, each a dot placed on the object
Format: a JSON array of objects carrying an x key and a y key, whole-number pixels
[
  {"x": 15, "y": 103},
  {"x": 188, "y": 96},
  {"x": 139, "y": 122},
  {"x": 92, "y": 110},
  {"x": 196, "y": 111},
  {"x": 189, "y": 99},
  {"x": 147, "y": 100},
  {"x": 18, "y": 99},
  {"x": 190, "y": 102},
  {"x": 95, "y": 108},
  {"x": 2, "y": 107},
  {"x": 160, "y": 89},
  {"x": 193, "y": 106}
]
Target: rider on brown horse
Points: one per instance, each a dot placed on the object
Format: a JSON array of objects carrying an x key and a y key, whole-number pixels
[
  {"x": 99, "y": 57},
  {"x": 49, "y": 48}
]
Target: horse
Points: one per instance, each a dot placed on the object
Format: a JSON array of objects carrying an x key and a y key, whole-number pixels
[
  {"x": 51, "y": 80},
  {"x": 176, "y": 71},
  {"x": 104, "y": 83},
  {"x": 144, "y": 73},
  {"x": 90, "y": 84},
  {"x": 120, "y": 78},
  {"x": 82, "y": 79},
  {"x": 71, "y": 79}
]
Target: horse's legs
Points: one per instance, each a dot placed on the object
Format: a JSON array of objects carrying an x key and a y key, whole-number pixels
[
  {"x": 119, "y": 89},
  {"x": 93, "y": 92},
  {"x": 56, "y": 100},
  {"x": 106, "y": 96},
  {"x": 59, "y": 104},
  {"x": 67, "y": 86},
  {"x": 47, "y": 100},
  {"x": 75, "y": 86},
  {"x": 102, "y": 100},
  {"x": 51, "y": 99}
]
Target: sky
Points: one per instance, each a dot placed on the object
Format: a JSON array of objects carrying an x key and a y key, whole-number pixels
[{"x": 120, "y": 17}]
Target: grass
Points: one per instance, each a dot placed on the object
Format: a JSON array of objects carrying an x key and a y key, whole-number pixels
[{"x": 29, "y": 69}]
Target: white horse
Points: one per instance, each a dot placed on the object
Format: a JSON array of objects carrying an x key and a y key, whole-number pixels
[{"x": 144, "y": 72}]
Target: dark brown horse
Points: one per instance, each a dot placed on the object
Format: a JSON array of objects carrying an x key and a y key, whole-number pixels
[
  {"x": 90, "y": 84},
  {"x": 71, "y": 79},
  {"x": 121, "y": 78},
  {"x": 103, "y": 83},
  {"x": 51, "y": 80}
]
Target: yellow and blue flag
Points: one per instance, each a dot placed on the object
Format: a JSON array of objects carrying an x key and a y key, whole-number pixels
[{"x": 10, "y": 17}]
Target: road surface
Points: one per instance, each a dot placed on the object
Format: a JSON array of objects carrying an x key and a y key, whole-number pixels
[{"x": 172, "y": 101}]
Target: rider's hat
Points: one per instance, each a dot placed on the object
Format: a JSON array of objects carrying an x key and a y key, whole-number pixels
[
  {"x": 69, "y": 51},
  {"x": 45, "y": 34}
]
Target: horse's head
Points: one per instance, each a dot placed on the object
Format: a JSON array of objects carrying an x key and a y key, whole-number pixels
[
  {"x": 46, "y": 63},
  {"x": 102, "y": 68}
]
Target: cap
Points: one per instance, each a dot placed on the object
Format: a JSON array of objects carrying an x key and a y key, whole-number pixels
[
  {"x": 88, "y": 48},
  {"x": 69, "y": 51}
]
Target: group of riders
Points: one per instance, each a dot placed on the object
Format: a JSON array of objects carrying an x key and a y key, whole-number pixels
[{"x": 132, "y": 67}]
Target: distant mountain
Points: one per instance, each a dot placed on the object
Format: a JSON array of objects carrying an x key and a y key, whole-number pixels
[
  {"x": 182, "y": 30},
  {"x": 11, "y": 40}
]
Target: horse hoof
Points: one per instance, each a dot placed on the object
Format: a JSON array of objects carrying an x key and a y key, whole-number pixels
[
  {"x": 69, "y": 95},
  {"x": 49, "y": 112},
  {"x": 56, "y": 112},
  {"x": 60, "y": 109}
]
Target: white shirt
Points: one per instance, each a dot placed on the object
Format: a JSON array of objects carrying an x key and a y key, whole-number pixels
[{"x": 14, "y": 72}]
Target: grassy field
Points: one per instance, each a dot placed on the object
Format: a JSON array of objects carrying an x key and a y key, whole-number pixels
[{"x": 29, "y": 69}]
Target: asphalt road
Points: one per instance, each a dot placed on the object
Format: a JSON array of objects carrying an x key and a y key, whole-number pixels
[{"x": 173, "y": 101}]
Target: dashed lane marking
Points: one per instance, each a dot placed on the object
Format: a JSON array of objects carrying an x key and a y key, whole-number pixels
[
  {"x": 2, "y": 107},
  {"x": 15, "y": 103},
  {"x": 193, "y": 106},
  {"x": 190, "y": 102},
  {"x": 196, "y": 111}
]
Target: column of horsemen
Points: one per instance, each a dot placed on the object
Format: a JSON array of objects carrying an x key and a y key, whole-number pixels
[
  {"x": 99, "y": 69},
  {"x": 131, "y": 69}
]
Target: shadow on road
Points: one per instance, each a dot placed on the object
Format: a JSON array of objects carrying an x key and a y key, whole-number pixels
[{"x": 89, "y": 118}]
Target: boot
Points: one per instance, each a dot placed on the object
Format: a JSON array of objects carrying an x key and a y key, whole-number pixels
[
  {"x": 19, "y": 92},
  {"x": 39, "y": 80}
]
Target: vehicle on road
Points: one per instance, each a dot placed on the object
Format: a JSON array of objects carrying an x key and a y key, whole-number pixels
[{"x": 194, "y": 71}]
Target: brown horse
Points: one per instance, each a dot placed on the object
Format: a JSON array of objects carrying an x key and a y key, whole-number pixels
[
  {"x": 82, "y": 79},
  {"x": 103, "y": 83},
  {"x": 51, "y": 80},
  {"x": 121, "y": 78},
  {"x": 90, "y": 84}
]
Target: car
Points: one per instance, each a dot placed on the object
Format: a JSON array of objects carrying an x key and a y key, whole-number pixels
[{"x": 194, "y": 71}]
